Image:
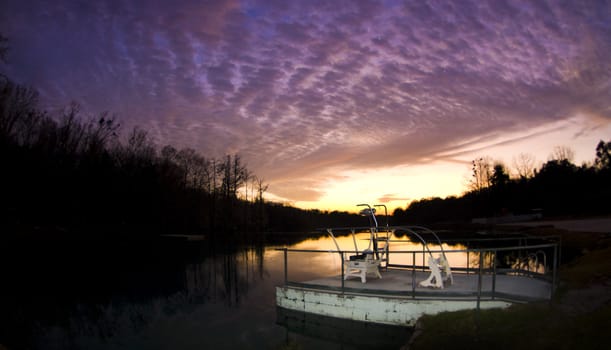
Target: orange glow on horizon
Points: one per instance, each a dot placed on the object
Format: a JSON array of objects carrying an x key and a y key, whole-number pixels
[{"x": 450, "y": 178}]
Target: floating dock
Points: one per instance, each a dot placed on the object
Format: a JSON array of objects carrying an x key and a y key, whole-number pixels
[
  {"x": 396, "y": 300},
  {"x": 372, "y": 287}
]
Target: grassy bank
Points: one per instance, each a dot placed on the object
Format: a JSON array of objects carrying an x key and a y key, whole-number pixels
[{"x": 579, "y": 316}]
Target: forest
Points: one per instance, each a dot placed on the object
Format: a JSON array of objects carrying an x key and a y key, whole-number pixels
[{"x": 558, "y": 189}]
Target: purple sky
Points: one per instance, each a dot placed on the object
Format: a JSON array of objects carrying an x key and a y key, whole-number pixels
[{"x": 316, "y": 94}]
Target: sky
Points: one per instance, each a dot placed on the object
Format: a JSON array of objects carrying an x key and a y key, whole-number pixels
[{"x": 330, "y": 103}]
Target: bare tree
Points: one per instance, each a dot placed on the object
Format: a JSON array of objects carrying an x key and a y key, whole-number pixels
[
  {"x": 140, "y": 146},
  {"x": 562, "y": 153},
  {"x": 70, "y": 134},
  {"x": 186, "y": 160},
  {"x": 250, "y": 188},
  {"x": 17, "y": 103},
  {"x": 235, "y": 175},
  {"x": 168, "y": 153},
  {"x": 481, "y": 173},
  {"x": 240, "y": 174},
  {"x": 524, "y": 165},
  {"x": 261, "y": 188},
  {"x": 99, "y": 132}
]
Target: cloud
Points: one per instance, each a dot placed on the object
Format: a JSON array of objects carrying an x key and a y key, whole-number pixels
[
  {"x": 391, "y": 197},
  {"x": 304, "y": 90}
]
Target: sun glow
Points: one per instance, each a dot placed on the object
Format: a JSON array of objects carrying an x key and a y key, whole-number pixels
[
  {"x": 394, "y": 187},
  {"x": 397, "y": 186}
]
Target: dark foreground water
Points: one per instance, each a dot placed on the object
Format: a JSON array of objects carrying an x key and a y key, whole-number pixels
[{"x": 165, "y": 294}]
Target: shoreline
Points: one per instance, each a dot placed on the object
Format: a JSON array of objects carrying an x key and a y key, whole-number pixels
[
  {"x": 590, "y": 225},
  {"x": 578, "y": 316}
]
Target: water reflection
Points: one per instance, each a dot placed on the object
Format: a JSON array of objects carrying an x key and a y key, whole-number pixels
[
  {"x": 348, "y": 333},
  {"x": 131, "y": 295},
  {"x": 167, "y": 295},
  {"x": 179, "y": 295},
  {"x": 403, "y": 251},
  {"x": 398, "y": 244}
]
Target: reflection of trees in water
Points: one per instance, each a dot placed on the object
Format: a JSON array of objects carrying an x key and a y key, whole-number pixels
[
  {"x": 521, "y": 260},
  {"x": 488, "y": 258},
  {"x": 223, "y": 279},
  {"x": 529, "y": 261}
]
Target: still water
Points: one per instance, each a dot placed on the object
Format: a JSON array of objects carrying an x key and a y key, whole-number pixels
[{"x": 167, "y": 295}]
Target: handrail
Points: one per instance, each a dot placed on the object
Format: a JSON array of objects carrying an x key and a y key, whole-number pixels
[
  {"x": 347, "y": 230},
  {"x": 476, "y": 250},
  {"x": 492, "y": 271}
]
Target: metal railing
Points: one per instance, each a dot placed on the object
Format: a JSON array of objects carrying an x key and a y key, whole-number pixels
[{"x": 487, "y": 268}]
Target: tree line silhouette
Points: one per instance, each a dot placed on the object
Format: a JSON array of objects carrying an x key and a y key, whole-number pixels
[
  {"x": 558, "y": 188},
  {"x": 66, "y": 174}
]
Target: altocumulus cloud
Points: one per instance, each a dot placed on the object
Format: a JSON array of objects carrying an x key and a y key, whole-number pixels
[{"x": 304, "y": 88}]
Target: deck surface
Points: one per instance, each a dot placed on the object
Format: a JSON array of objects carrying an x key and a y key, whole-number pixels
[{"x": 400, "y": 281}]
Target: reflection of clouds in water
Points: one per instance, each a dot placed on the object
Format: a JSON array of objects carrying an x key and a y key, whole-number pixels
[
  {"x": 398, "y": 244},
  {"x": 325, "y": 262},
  {"x": 456, "y": 259},
  {"x": 346, "y": 243},
  {"x": 323, "y": 243}
]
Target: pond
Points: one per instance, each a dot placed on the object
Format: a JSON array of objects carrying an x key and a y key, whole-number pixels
[{"x": 165, "y": 295}]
